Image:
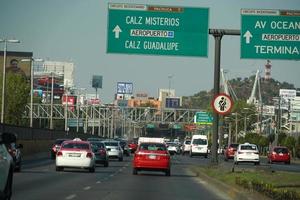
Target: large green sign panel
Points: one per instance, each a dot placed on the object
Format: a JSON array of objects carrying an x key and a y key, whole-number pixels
[
  {"x": 157, "y": 30},
  {"x": 270, "y": 34},
  {"x": 203, "y": 118}
]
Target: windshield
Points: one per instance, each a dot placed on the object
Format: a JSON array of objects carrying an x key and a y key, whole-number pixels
[
  {"x": 200, "y": 141},
  {"x": 72, "y": 145},
  {"x": 153, "y": 147}
]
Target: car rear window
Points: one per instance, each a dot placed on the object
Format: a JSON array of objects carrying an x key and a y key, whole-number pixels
[
  {"x": 72, "y": 145},
  {"x": 153, "y": 147},
  {"x": 187, "y": 142},
  {"x": 200, "y": 141},
  {"x": 111, "y": 144},
  {"x": 59, "y": 141},
  {"x": 97, "y": 144},
  {"x": 248, "y": 147},
  {"x": 233, "y": 145},
  {"x": 281, "y": 150}
]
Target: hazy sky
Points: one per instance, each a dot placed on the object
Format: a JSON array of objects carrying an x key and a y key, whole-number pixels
[{"x": 76, "y": 30}]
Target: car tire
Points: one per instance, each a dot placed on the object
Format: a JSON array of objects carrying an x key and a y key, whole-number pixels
[
  {"x": 256, "y": 163},
  {"x": 120, "y": 159},
  {"x": 92, "y": 169},
  {"x": 288, "y": 162},
  {"x": 168, "y": 172},
  {"x": 205, "y": 156},
  {"x": 134, "y": 171},
  {"x": 58, "y": 169},
  {"x": 106, "y": 164},
  {"x": 8, "y": 186}
]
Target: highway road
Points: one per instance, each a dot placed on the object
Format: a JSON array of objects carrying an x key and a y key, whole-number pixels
[{"x": 39, "y": 180}]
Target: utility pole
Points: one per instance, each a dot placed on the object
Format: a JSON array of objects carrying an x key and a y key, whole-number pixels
[{"x": 218, "y": 34}]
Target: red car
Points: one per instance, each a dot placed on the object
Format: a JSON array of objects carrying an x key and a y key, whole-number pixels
[
  {"x": 133, "y": 146},
  {"x": 230, "y": 151},
  {"x": 55, "y": 147},
  {"x": 279, "y": 154},
  {"x": 152, "y": 157}
]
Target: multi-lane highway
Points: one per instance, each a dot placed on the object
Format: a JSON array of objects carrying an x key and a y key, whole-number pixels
[{"x": 39, "y": 180}]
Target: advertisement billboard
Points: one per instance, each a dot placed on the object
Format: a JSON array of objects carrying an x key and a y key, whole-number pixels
[
  {"x": 172, "y": 102},
  {"x": 124, "y": 88},
  {"x": 14, "y": 63}
]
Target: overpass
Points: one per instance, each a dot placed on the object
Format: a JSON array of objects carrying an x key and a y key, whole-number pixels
[{"x": 105, "y": 120}]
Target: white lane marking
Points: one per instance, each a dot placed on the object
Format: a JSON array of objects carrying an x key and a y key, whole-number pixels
[
  {"x": 72, "y": 196},
  {"x": 120, "y": 170},
  {"x": 98, "y": 182},
  {"x": 111, "y": 175},
  {"x": 87, "y": 188}
]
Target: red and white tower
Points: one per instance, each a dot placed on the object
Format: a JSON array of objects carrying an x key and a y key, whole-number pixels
[{"x": 268, "y": 70}]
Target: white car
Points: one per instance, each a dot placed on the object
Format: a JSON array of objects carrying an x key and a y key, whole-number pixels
[
  {"x": 186, "y": 146},
  {"x": 6, "y": 166},
  {"x": 247, "y": 153},
  {"x": 114, "y": 149},
  {"x": 75, "y": 154},
  {"x": 199, "y": 146},
  {"x": 173, "y": 148}
]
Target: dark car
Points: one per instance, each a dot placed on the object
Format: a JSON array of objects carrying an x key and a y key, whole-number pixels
[
  {"x": 16, "y": 154},
  {"x": 230, "y": 151},
  {"x": 55, "y": 147},
  {"x": 101, "y": 155},
  {"x": 125, "y": 147},
  {"x": 279, "y": 154}
]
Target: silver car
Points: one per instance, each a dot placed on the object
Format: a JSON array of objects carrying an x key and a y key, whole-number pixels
[
  {"x": 6, "y": 166},
  {"x": 114, "y": 149}
]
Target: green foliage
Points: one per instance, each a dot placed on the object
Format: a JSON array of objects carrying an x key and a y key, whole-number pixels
[
  {"x": 17, "y": 95},
  {"x": 281, "y": 138},
  {"x": 290, "y": 142},
  {"x": 271, "y": 138},
  {"x": 242, "y": 88}
]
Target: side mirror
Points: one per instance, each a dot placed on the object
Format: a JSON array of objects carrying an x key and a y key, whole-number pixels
[{"x": 8, "y": 138}]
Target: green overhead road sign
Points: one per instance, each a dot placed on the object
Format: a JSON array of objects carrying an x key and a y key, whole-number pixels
[
  {"x": 157, "y": 30},
  {"x": 270, "y": 34},
  {"x": 203, "y": 118}
]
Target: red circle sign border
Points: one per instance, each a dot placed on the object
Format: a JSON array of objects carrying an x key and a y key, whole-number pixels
[{"x": 213, "y": 103}]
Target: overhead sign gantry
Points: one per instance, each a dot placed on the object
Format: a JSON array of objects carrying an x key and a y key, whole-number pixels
[
  {"x": 157, "y": 30},
  {"x": 270, "y": 34}
]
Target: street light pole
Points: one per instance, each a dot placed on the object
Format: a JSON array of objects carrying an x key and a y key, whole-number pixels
[
  {"x": 4, "y": 75},
  {"x": 32, "y": 60}
]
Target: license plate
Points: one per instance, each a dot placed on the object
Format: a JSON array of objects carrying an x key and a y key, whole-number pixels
[
  {"x": 74, "y": 154},
  {"x": 281, "y": 154},
  {"x": 248, "y": 153},
  {"x": 199, "y": 148},
  {"x": 152, "y": 156}
]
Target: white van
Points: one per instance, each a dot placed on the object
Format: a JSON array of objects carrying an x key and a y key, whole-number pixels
[{"x": 199, "y": 145}]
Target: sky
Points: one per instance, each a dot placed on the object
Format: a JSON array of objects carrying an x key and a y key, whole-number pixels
[{"x": 76, "y": 31}]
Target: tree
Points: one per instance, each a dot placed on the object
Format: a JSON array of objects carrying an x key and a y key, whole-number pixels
[
  {"x": 290, "y": 142},
  {"x": 17, "y": 95}
]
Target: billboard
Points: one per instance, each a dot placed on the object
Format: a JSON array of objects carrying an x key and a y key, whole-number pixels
[
  {"x": 97, "y": 81},
  {"x": 172, "y": 102},
  {"x": 14, "y": 63},
  {"x": 124, "y": 88}
]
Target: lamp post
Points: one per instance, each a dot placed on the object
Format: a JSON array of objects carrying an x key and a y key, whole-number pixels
[
  {"x": 236, "y": 126},
  {"x": 170, "y": 77},
  {"x": 32, "y": 60},
  {"x": 4, "y": 77}
]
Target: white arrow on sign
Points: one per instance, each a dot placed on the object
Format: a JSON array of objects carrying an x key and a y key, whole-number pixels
[
  {"x": 117, "y": 30},
  {"x": 247, "y": 35}
]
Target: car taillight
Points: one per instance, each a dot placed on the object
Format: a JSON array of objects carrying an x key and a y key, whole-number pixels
[
  {"x": 102, "y": 151},
  {"x": 89, "y": 155},
  {"x": 59, "y": 153},
  {"x": 274, "y": 153}
]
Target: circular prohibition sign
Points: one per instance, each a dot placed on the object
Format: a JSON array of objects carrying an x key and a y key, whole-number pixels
[{"x": 222, "y": 104}]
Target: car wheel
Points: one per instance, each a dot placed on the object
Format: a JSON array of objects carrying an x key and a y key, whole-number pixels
[
  {"x": 59, "y": 169},
  {"x": 205, "y": 156},
  {"x": 106, "y": 164},
  {"x": 288, "y": 162},
  {"x": 92, "y": 169},
  {"x": 134, "y": 171},
  {"x": 168, "y": 172},
  {"x": 121, "y": 159},
  {"x": 8, "y": 186},
  {"x": 256, "y": 163}
]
